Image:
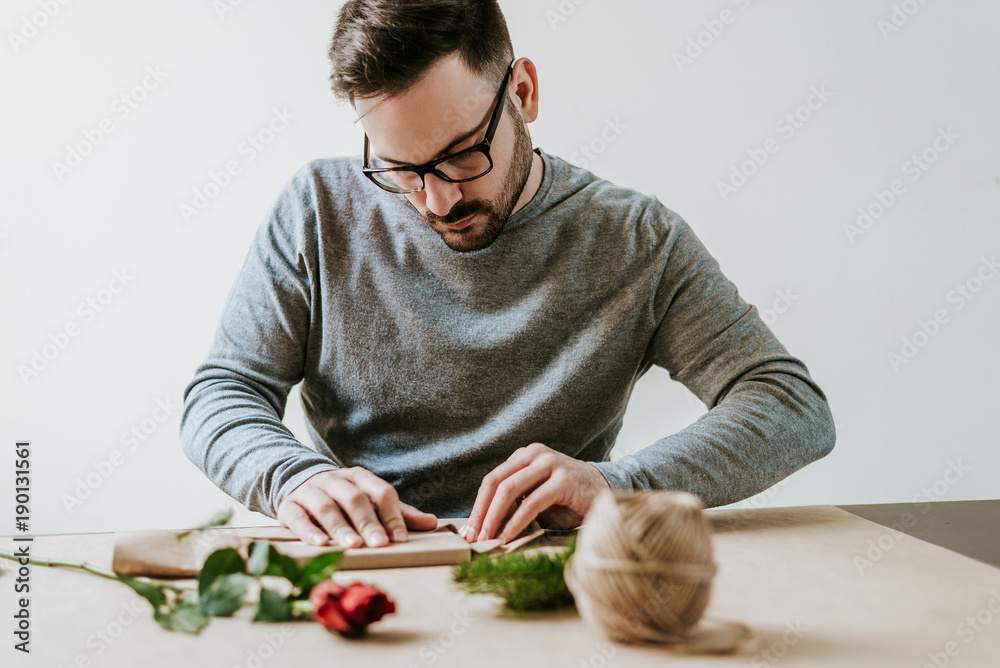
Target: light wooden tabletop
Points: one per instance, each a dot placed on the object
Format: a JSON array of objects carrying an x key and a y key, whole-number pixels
[{"x": 818, "y": 586}]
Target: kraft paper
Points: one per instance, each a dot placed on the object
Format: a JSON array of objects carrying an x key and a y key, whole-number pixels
[{"x": 162, "y": 554}]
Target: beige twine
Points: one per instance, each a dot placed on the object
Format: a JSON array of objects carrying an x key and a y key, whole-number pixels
[{"x": 642, "y": 571}]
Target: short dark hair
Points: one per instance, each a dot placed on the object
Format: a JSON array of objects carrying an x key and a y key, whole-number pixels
[{"x": 382, "y": 47}]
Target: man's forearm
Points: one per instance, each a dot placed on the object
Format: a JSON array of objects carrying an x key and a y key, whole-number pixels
[
  {"x": 236, "y": 437},
  {"x": 771, "y": 424}
]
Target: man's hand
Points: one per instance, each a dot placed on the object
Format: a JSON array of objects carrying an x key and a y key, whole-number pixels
[
  {"x": 556, "y": 488},
  {"x": 371, "y": 505}
]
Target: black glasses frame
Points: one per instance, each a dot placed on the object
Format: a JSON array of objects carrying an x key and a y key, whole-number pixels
[{"x": 431, "y": 167}]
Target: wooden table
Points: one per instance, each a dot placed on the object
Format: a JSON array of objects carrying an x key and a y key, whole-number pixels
[{"x": 817, "y": 584}]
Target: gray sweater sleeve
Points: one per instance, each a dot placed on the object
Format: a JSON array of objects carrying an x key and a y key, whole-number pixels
[
  {"x": 767, "y": 418},
  {"x": 231, "y": 424}
]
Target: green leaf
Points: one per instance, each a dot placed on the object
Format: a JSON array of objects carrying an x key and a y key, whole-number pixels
[
  {"x": 259, "y": 557},
  {"x": 225, "y": 594},
  {"x": 283, "y": 566},
  {"x": 272, "y": 607},
  {"x": 220, "y": 518},
  {"x": 185, "y": 618},
  {"x": 266, "y": 560},
  {"x": 319, "y": 568},
  {"x": 221, "y": 562},
  {"x": 152, "y": 593}
]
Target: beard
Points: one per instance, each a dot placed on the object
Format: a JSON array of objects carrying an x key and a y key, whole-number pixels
[{"x": 491, "y": 215}]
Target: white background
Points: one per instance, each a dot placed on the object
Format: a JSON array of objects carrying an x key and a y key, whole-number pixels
[{"x": 682, "y": 127}]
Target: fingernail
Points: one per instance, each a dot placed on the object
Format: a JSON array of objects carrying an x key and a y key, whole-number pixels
[
  {"x": 399, "y": 534},
  {"x": 352, "y": 540},
  {"x": 482, "y": 535},
  {"x": 376, "y": 539},
  {"x": 318, "y": 538}
]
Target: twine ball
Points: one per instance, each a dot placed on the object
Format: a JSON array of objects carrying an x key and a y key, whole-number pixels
[{"x": 642, "y": 571}]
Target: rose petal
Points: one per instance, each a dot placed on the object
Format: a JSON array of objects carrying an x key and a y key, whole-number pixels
[{"x": 349, "y": 609}]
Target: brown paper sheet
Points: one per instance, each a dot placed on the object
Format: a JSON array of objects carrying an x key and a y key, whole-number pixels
[{"x": 161, "y": 554}]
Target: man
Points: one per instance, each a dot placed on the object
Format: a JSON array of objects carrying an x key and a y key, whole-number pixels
[{"x": 468, "y": 316}]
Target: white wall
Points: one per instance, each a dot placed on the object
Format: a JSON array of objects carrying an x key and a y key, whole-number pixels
[{"x": 681, "y": 129}]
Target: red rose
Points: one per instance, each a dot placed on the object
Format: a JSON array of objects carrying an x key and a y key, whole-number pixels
[{"x": 349, "y": 609}]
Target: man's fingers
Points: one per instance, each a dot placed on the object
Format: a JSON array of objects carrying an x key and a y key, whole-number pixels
[
  {"x": 324, "y": 510},
  {"x": 348, "y": 502},
  {"x": 294, "y": 517},
  {"x": 386, "y": 502},
  {"x": 357, "y": 507},
  {"x": 418, "y": 520},
  {"x": 547, "y": 494},
  {"x": 484, "y": 499},
  {"x": 508, "y": 491}
]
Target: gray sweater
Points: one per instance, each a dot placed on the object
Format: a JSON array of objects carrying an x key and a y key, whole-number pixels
[{"x": 429, "y": 367}]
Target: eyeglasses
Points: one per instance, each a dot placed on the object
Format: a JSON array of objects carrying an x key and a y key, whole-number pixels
[{"x": 467, "y": 165}]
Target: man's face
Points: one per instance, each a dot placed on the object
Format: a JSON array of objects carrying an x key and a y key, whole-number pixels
[{"x": 446, "y": 111}]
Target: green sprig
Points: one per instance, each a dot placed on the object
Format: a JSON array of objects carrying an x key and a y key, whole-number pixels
[
  {"x": 525, "y": 582},
  {"x": 221, "y": 518}
]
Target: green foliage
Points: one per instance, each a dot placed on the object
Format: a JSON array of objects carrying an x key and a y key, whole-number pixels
[
  {"x": 524, "y": 581},
  {"x": 273, "y": 607},
  {"x": 219, "y": 519},
  {"x": 224, "y": 596},
  {"x": 170, "y": 609},
  {"x": 319, "y": 568},
  {"x": 221, "y": 562},
  {"x": 223, "y": 582},
  {"x": 266, "y": 560},
  {"x": 185, "y": 617},
  {"x": 151, "y": 592}
]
